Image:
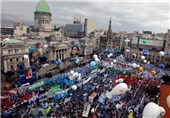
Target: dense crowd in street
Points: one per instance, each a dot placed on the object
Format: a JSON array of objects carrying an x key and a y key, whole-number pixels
[{"x": 142, "y": 89}]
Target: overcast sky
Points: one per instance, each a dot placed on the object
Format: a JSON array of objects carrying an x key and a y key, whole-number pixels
[{"x": 126, "y": 16}]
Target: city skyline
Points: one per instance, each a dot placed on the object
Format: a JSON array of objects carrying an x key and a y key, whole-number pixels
[{"x": 126, "y": 16}]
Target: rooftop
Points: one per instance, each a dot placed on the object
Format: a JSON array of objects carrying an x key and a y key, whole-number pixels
[{"x": 42, "y": 7}]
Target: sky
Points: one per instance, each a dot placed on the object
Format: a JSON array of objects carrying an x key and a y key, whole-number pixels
[{"x": 126, "y": 15}]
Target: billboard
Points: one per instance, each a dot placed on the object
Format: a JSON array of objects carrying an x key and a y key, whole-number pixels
[
  {"x": 28, "y": 73},
  {"x": 148, "y": 42},
  {"x": 75, "y": 50}
]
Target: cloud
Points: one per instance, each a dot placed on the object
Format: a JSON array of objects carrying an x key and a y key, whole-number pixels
[{"x": 126, "y": 16}]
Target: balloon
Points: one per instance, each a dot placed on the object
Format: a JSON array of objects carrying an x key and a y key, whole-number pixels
[
  {"x": 93, "y": 64},
  {"x": 97, "y": 59},
  {"x": 161, "y": 53},
  {"x": 162, "y": 66},
  {"x": 74, "y": 87},
  {"x": 114, "y": 60},
  {"x": 142, "y": 57},
  {"x": 140, "y": 68},
  {"x": 25, "y": 56},
  {"x": 76, "y": 74},
  {"x": 162, "y": 111},
  {"x": 144, "y": 41},
  {"x": 72, "y": 71},
  {"x": 151, "y": 110},
  {"x": 134, "y": 54},
  {"x": 145, "y": 52},
  {"x": 92, "y": 110},
  {"x": 153, "y": 72},
  {"x": 145, "y": 61},
  {"x": 111, "y": 54},
  {"x": 168, "y": 100},
  {"x": 94, "y": 56},
  {"x": 120, "y": 88},
  {"x": 134, "y": 65}
]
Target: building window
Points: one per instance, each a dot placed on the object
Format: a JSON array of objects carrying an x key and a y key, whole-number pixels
[
  {"x": 16, "y": 59},
  {"x": 9, "y": 51},
  {"x": 10, "y": 60},
  {"x": 16, "y": 50},
  {"x": 12, "y": 67},
  {"x": 21, "y": 28}
]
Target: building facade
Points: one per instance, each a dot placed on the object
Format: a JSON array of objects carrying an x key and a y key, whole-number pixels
[
  {"x": 86, "y": 46},
  {"x": 19, "y": 28},
  {"x": 95, "y": 37},
  {"x": 75, "y": 30},
  {"x": 9, "y": 31},
  {"x": 58, "y": 48},
  {"x": 89, "y": 26},
  {"x": 154, "y": 46},
  {"x": 42, "y": 19},
  {"x": 12, "y": 54}
]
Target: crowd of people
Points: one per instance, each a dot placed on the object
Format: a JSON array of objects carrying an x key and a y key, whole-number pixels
[{"x": 142, "y": 89}]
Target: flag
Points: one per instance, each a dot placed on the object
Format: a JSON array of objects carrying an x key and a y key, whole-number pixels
[
  {"x": 77, "y": 60},
  {"x": 130, "y": 115}
]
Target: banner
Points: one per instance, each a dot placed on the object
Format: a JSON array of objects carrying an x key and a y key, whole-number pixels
[{"x": 28, "y": 73}]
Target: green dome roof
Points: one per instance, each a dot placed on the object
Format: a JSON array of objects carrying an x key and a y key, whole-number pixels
[{"x": 42, "y": 6}]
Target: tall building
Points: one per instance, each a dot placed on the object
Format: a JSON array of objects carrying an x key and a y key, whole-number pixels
[
  {"x": 19, "y": 28},
  {"x": 75, "y": 30},
  {"x": 89, "y": 26},
  {"x": 110, "y": 39},
  {"x": 42, "y": 19}
]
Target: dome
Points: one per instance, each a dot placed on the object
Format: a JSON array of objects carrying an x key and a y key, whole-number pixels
[{"x": 42, "y": 6}]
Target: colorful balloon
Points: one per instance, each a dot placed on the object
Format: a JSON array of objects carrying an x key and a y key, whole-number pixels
[
  {"x": 140, "y": 68},
  {"x": 93, "y": 64},
  {"x": 145, "y": 52},
  {"x": 153, "y": 72},
  {"x": 162, "y": 66}
]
